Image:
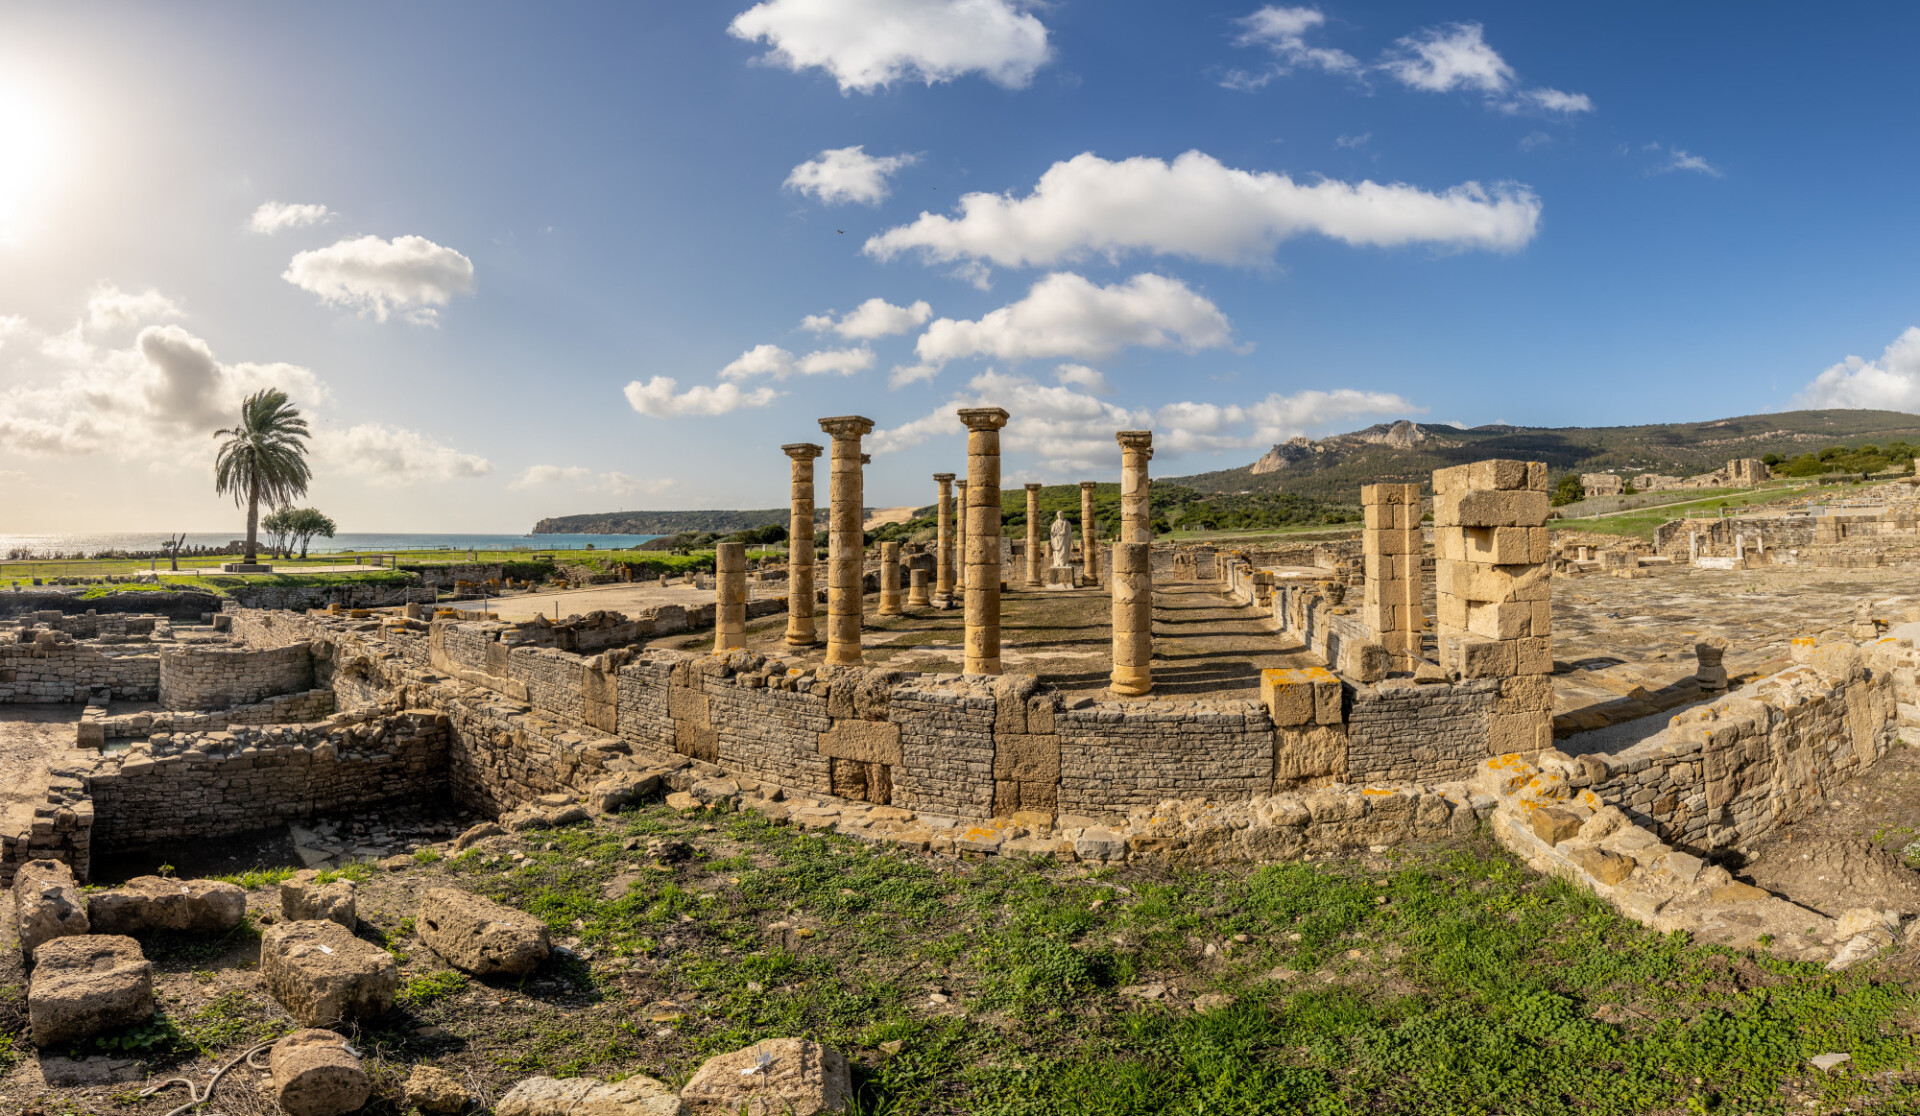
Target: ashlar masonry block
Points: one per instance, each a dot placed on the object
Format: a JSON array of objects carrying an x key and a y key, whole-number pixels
[{"x": 1301, "y": 696}]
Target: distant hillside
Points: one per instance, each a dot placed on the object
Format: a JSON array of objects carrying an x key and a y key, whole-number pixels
[
  {"x": 1334, "y": 468},
  {"x": 664, "y": 522}
]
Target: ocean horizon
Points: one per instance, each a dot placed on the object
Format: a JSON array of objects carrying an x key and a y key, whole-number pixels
[{"x": 90, "y": 543}]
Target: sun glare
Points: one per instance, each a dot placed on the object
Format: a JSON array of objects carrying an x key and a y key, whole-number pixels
[{"x": 29, "y": 156}]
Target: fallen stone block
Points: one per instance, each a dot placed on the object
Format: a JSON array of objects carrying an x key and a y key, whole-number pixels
[
  {"x": 1608, "y": 868},
  {"x": 436, "y": 1092},
  {"x": 584, "y": 1096},
  {"x": 1100, "y": 844},
  {"x": 778, "y": 1077},
  {"x": 87, "y": 984},
  {"x": 323, "y": 975},
  {"x": 477, "y": 834},
  {"x": 480, "y": 936},
  {"x": 617, "y": 792},
  {"x": 1553, "y": 824},
  {"x": 151, "y": 903},
  {"x": 303, "y": 898},
  {"x": 315, "y": 1073},
  {"x": 46, "y": 904}
]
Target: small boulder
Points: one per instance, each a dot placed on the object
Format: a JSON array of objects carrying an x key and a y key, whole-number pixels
[
  {"x": 778, "y": 1077},
  {"x": 87, "y": 984},
  {"x": 315, "y": 1073},
  {"x": 1554, "y": 824},
  {"x": 1861, "y": 920},
  {"x": 151, "y": 903},
  {"x": 1608, "y": 868},
  {"x": 480, "y": 936},
  {"x": 303, "y": 898},
  {"x": 46, "y": 904},
  {"x": 477, "y": 834},
  {"x": 616, "y": 792},
  {"x": 584, "y": 1096},
  {"x": 323, "y": 975},
  {"x": 436, "y": 1092}
]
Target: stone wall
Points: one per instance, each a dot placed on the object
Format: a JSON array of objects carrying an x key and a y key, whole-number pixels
[
  {"x": 347, "y": 595},
  {"x": 199, "y": 678},
  {"x": 181, "y": 605},
  {"x": 286, "y": 709},
  {"x": 55, "y": 668}
]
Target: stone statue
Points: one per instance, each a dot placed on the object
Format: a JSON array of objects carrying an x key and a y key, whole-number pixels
[{"x": 1062, "y": 540}]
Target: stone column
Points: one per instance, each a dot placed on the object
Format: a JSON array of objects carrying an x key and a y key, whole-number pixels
[
  {"x": 1089, "y": 546},
  {"x": 844, "y": 546},
  {"x": 800, "y": 588},
  {"x": 960, "y": 535},
  {"x": 1132, "y": 583},
  {"x": 943, "y": 545},
  {"x": 1035, "y": 578},
  {"x": 1493, "y": 596},
  {"x": 917, "y": 588},
  {"x": 983, "y": 538},
  {"x": 730, "y": 596},
  {"x": 1136, "y": 449},
  {"x": 1390, "y": 545},
  {"x": 890, "y": 579}
]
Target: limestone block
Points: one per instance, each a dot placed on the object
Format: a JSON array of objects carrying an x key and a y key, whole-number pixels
[
  {"x": 1026, "y": 757},
  {"x": 617, "y": 792},
  {"x": 436, "y": 1092},
  {"x": 1500, "y": 546},
  {"x": 1096, "y": 843},
  {"x": 1533, "y": 655},
  {"x": 1368, "y": 662},
  {"x": 1492, "y": 509},
  {"x": 1509, "y": 733},
  {"x": 46, "y": 904},
  {"x": 1457, "y": 478},
  {"x": 866, "y": 741},
  {"x": 1608, "y": 868},
  {"x": 1301, "y": 696},
  {"x": 304, "y": 898},
  {"x": 1554, "y": 824},
  {"x": 480, "y": 936},
  {"x": 86, "y": 984},
  {"x": 1310, "y": 752},
  {"x": 778, "y": 1077},
  {"x": 151, "y": 903},
  {"x": 1483, "y": 658},
  {"x": 1512, "y": 620},
  {"x": 323, "y": 975},
  {"x": 584, "y": 1096},
  {"x": 315, "y": 1074},
  {"x": 1497, "y": 473}
]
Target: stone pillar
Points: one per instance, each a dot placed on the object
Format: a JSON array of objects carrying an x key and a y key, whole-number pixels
[
  {"x": 917, "y": 588},
  {"x": 1693, "y": 547},
  {"x": 890, "y": 579},
  {"x": 960, "y": 535},
  {"x": 844, "y": 541},
  {"x": 729, "y": 596},
  {"x": 1493, "y": 594},
  {"x": 1136, "y": 512},
  {"x": 943, "y": 545},
  {"x": 1132, "y": 579},
  {"x": 1739, "y": 548},
  {"x": 1390, "y": 546},
  {"x": 800, "y": 587},
  {"x": 983, "y": 538},
  {"x": 1089, "y": 546},
  {"x": 1035, "y": 577}
]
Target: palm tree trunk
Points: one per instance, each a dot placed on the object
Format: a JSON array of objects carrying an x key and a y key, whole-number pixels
[{"x": 253, "y": 520}]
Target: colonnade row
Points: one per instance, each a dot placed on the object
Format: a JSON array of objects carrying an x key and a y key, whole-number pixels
[{"x": 967, "y": 564}]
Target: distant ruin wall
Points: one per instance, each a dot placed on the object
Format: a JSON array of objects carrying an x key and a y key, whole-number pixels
[
  {"x": 199, "y": 678},
  {"x": 173, "y": 605},
  {"x": 54, "y": 668}
]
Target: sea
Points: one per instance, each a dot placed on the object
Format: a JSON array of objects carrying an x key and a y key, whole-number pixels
[{"x": 340, "y": 544}]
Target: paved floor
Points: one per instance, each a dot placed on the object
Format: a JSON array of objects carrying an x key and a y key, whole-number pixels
[
  {"x": 608, "y": 598},
  {"x": 30, "y": 735}
]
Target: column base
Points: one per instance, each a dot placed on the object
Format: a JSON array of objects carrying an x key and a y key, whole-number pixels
[
  {"x": 802, "y": 641},
  {"x": 1131, "y": 681}
]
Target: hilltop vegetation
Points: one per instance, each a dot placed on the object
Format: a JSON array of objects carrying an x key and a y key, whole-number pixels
[{"x": 669, "y": 522}]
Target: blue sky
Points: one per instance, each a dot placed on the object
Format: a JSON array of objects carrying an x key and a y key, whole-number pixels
[{"x": 479, "y": 240}]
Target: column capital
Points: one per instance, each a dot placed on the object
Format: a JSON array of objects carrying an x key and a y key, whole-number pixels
[
  {"x": 1141, "y": 440},
  {"x": 846, "y": 426},
  {"x": 802, "y": 451},
  {"x": 1035, "y": 487},
  {"x": 943, "y": 478},
  {"x": 984, "y": 418},
  {"x": 1088, "y": 486}
]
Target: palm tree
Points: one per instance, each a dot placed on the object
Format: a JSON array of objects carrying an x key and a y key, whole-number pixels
[{"x": 264, "y": 458}]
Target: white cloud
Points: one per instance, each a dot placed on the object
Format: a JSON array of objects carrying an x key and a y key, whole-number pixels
[
  {"x": 1198, "y": 208},
  {"x": 1353, "y": 143},
  {"x": 1679, "y": 160},
  {"x": 273, "y": 216},
  {"x": 1283, "y": 32},
  {"x": 774, "y": 361},
  {"x": 1066, "y": 316},
  {"x": 870, "y": 44},
  {"x": 1453, "y": 56},
  {"x": 1890, "y": 383},
  {"x": 110, "y": 308},
  {"x": 584, "y": 479},
  {"x": 904, "y": 374},
  {"x": 1549, "y": 100},
  {"x": 1079, "y": 375},
  {"x": 410, "y": 275},
  {"x": 657, "y": 398},
  {"x": 847, "y": 174},
  {"x": 386, "y": 455},
  {"x": 1070, "y": 432},
  {"x": 874, "y": 318}
]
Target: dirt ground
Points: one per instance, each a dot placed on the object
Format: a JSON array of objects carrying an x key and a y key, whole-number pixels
[
  {"x": 1851, "y": 851},
  {"x": 29, "y": 736}
]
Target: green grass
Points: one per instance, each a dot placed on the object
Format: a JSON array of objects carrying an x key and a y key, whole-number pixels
[
  {"x": 1642, "y": 522},
  {"x": 254, "y": 878},
  {"x": 1454, "y": 982},
  {"x": 425, "y": 989}
]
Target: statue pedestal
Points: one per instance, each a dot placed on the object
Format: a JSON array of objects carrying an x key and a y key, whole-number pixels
[
  {"x": 1063, "y": 577},
  {"x": 246, "y": 568}
]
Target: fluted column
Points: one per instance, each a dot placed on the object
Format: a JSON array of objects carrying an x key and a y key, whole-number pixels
[
  {"x": 1132, "y": 581},
  {"x": 1089, "y": 545},
  {"x": 729, "y": 596},
  {"x": 943, "y": 545},
  {"x": 845, "y": 546},
  {"x": 1034, "y": 577},
  {"x": 983, "y": 538},
  {"x": 1136, "y": 503},
  {"x": 960, "y": 535},
  {"x": 800, "y": 566},
  {"x": 890, "y": 579}
]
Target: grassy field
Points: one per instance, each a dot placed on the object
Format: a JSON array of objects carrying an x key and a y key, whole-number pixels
[
  {"x": 1443, "y": 980},
  {"x": 203, "y": 572},
  {"x": 1640, "y": 523}
]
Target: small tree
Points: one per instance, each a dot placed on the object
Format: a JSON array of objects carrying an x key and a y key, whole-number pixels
[
  {"x": 263, "y": 458},
  {"x": 1568, "y": 491},
  {"x": 279, "y": 531},
  {"x": 306, "y": 523}
]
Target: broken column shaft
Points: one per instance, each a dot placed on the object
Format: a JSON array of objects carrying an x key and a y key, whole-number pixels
[
  {"x": 1132, "y": 583},
  {"x": 943, "y": 544},
  {"x": 730, "y": 596},
  {"x": 1136, "y": 503},
  {"x": 800, "y": 564},
  {"x": 1089, "y": 548},
  {"x": 1034, "y": 574},
  {"x": 845, "y": 546},
  {"x": 983, "y": 538},
  {"x": 890, "y": 579}
]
